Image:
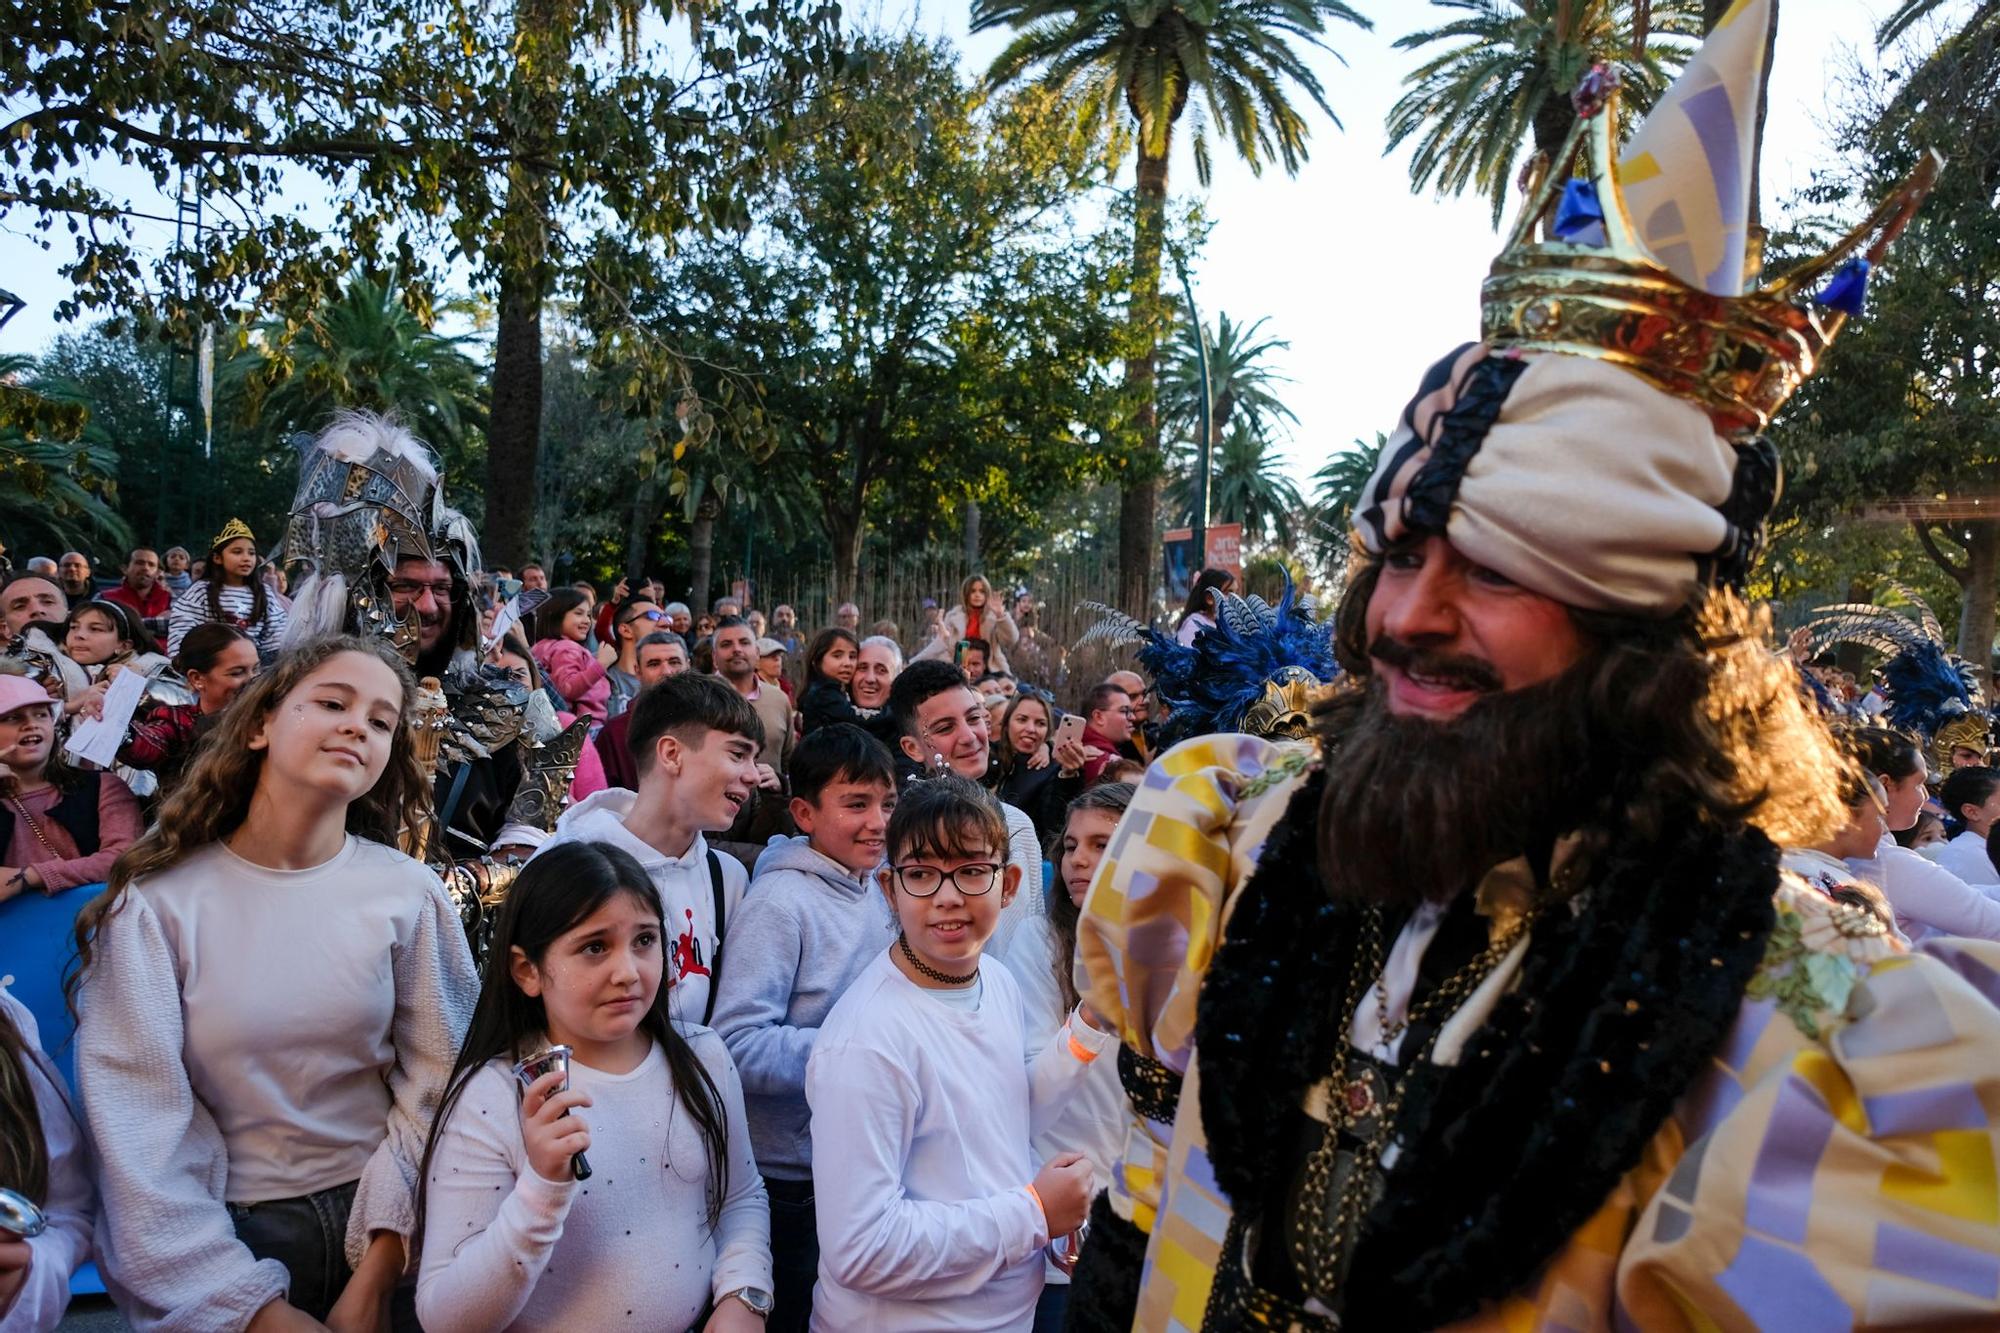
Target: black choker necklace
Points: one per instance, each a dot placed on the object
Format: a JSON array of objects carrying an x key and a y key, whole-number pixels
[{"x": 931, "y": 972}]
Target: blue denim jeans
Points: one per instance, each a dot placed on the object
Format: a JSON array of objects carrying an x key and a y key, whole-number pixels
[
  {"x": 794, "y": 1254},
  {"x": 308, "y": 1236}
]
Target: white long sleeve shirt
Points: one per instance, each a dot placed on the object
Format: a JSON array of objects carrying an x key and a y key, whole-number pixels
[
  {"x": 250, "y": 1034},
  {"x": 1928, "y": 899},
  {"x": 629, "y": 1248},
  {"x": 922, "y": 1113},
  {"x": 70, "y": 1206},
  {"x": 1965, "y": 856}
]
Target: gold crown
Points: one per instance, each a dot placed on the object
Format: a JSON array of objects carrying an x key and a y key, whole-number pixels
[
  {"x": 1738, "y": 358},
  {"x": 232, "y": 530}
]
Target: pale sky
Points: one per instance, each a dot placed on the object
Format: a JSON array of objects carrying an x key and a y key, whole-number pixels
[{"x": 1368, "y": 282}]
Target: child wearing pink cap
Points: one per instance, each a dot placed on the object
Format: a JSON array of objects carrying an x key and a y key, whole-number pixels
[{"x": 63, "y": 826}]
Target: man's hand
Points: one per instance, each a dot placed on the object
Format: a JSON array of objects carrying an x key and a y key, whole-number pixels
[{"x": 768, "y": 779}]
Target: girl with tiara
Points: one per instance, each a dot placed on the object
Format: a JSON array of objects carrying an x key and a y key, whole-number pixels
[
  {"x": 230, "y": 593},
  {"x": 270, "y": 995}
]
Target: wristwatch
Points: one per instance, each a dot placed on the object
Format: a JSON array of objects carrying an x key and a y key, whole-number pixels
[{"x": 756, "y": 1298}]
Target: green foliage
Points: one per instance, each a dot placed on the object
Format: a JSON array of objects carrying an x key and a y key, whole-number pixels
[
  {"x": 1903, "y": 421},
  {"x": 1238, "y": 60},
  {"x": 922, "y": 316},
  {"x": 1504, "y": 80},
  {"x": 1239, "y": 381},
  {"x": 1247, "y": 485},
  {"x": 57, "y": 471},
  {"x": 412, "y": 112},
  {"x": 369, "y": 350}
]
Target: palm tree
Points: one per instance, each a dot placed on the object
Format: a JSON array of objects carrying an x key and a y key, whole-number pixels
[
  {"x": 1238, "y": 60},
  {"x": 54, "y": 492},
  {"x": 1505, "y": 82},
  {"x": 1238, "y": 381},
  {"x": 1912, "y": 12},
  {"x": 1337, "y": 488},
  {"x": 1247, "y": 485},
  {"x": 364, "y": 349}
]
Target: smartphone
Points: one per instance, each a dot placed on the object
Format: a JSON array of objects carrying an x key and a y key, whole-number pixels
[
  {"x": 1069, "y": 731},
  {"x": 552, "y": 1060},
  {"x": 19, "y": 1218}
]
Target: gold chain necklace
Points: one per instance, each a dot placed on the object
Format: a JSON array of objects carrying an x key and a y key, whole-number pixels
[
  {"x": 1328, "y": 1226},
  {"x": 931, "y": 972}
]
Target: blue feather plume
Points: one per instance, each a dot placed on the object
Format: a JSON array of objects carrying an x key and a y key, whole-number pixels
[
  {"x": 1210, "y": 683},
  {"x": 1925, "y": 687}
]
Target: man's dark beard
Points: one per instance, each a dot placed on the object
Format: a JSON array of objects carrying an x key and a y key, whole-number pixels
[{"x": 1418, "y": 809}]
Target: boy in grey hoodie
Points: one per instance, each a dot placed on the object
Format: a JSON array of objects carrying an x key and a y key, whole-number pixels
[{"x": 811, "y": 922}]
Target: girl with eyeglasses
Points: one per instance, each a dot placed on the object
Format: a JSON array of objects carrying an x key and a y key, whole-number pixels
[{"x": 924, "y": 1091}]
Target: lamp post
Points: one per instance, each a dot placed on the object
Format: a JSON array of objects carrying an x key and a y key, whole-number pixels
[{"x": 1200, "y": 523}]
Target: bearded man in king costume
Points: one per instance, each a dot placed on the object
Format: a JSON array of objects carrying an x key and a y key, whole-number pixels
[{"x": 1491, "y": 1007}]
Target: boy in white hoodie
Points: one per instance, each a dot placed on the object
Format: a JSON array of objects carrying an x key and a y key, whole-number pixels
[
  {"x": 694, "y": 742},
  {"x": 812, "y": 921}
]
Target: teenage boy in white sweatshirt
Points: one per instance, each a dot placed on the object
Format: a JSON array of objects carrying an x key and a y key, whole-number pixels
[
  {"x": 932, "y": 1213},
  {"x": 813, "y": 919},
  {"x": 694, "y": 743}
]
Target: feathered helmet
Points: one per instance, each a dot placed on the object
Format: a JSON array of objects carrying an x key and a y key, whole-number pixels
[
  {"x": 1929, "y": 690},
  {"x": 368, "y": 498},
  {"x": 1256, "y": 670}
]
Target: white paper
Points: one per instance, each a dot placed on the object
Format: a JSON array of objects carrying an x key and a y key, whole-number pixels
[{"x": 97, "y": 740}]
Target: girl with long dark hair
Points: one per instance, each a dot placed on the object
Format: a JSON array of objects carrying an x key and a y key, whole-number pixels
[
  {"x": 829, "y": 668},
  {"x": 42, "y": 1158},
  {"x": 104, "y": 637},
  {"x": 63, "y": 826},
  {"x": 1927, "y": 898},
  {"x": 270, "y": 995},
  {"x": 230, "y": 593},
  {"x": 1027, "y": 772},
  {"x": 561, "y": 626},
  {"x": 1199, "y": 613},
  {"x": 510, "y": 1237}
]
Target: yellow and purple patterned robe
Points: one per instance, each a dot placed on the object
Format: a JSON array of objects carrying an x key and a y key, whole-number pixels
[{"x": 1837, "y": 1167}]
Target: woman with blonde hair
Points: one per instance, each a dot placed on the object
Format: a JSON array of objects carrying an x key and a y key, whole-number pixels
[
  {"x": 977, "y": 616},
  {"x": 270, "y": 997}
]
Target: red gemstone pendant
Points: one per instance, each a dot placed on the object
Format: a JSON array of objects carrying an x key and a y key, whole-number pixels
[{"x": 1360, "y": 1097}]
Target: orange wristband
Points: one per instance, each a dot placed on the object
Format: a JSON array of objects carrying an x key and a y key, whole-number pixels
[{"x": 1036, "y": 1196}]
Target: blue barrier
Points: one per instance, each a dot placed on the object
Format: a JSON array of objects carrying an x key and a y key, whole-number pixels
[{"x": 36, "y": 946}]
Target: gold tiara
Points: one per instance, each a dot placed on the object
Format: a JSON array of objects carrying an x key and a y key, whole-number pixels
[
  {"x": 1738, "y": 358},
  {"x": 231, "y": 530}
]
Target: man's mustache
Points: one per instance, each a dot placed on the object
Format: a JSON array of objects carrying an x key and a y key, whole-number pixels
[{"x": 1473, "y": 673}]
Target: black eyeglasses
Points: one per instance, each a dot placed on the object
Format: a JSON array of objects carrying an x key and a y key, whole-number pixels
[
  {"x": 417, "y": 588},
  {"x": 921, "y": 881}
]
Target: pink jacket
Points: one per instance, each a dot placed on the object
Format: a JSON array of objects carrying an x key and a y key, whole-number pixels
[
  {"x": 577, "y": 675},
  {"x": 589, "y": 777}
]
